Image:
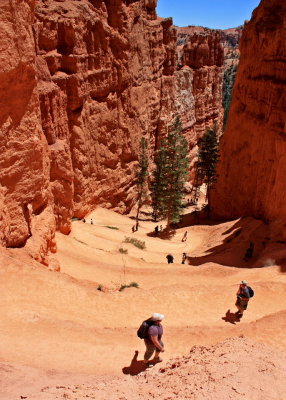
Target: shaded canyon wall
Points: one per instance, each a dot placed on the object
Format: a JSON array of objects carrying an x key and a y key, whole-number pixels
[{"x": 253, "y": 149}]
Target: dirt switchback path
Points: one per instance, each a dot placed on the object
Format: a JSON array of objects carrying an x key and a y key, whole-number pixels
[{"x": 60, "y": 324}]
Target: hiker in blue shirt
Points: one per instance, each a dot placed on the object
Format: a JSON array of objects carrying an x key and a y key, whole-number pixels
[{"x": 242, "y": 298}]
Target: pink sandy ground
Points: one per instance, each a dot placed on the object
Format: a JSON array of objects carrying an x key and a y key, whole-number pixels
[{"x": 60, "y": 337}]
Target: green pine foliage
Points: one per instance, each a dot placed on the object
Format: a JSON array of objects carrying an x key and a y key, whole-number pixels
[
  {"x": 136, "y": 242},
  {"x": 132, "y": 284},
  {"x": 142, "y": 175},
  {"x": 123, "y": 251},
  {"x": 157, "y": 183},
  {"x": 228, "y": 83},
  {"x": 170, "y": 174},
  {"x": 208, "y": 157}
]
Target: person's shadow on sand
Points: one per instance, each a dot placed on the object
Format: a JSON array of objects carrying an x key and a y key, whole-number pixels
[
  {"x": 230, "y": 317},
  {"x": 135, "y": 366}
]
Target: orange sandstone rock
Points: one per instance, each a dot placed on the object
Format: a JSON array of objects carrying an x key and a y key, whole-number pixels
[
  {"x": 81, "y": 83},
  {"x": 253, "y": 149},
  {"x": 106, "y": 67},
  {"x": 198, "y": 82},
  {"x": 24, "y": 163}
]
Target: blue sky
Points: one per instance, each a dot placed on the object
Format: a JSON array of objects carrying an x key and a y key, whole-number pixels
[{"x": 216, "y": 14}]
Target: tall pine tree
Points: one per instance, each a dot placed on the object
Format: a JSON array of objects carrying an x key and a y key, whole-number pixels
[
  {"x": 170, "y": 175},
  {"x": 156, "y": 183},
  {"x": 208, "y": 157},
  {"x": 142, "y": 175}
]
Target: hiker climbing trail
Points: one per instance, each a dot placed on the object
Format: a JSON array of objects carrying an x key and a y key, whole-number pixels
[{"x": 194, "y": 297}]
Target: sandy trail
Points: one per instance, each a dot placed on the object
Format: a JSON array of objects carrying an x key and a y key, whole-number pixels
[{"x": 60, "y": 322}]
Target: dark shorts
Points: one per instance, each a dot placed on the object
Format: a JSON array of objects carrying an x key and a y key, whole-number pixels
[
  {"x": 242, "y": 303},
  {"x": 150, "y": 348}
]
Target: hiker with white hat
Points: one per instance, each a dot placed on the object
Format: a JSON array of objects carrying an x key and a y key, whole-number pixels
[
  {"x": 242, "y": 298},
  {"x": 153, "y": 341}
]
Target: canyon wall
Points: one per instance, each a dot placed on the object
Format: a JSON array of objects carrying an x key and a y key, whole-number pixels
[
  {"x": 230, "y": 39},
  {"x": 105, "y": 64},
  {"x": 253, "y": 149},
  {"x": 81, "y": 82},
  {"x": 198, "y": 82},
  {"x": 26, "y": 206}
]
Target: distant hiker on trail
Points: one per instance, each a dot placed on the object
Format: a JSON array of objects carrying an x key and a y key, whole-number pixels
[
  {"x": 249, "y": 252},
  {"x": 91, "y": 221},
  {"x": 153, "y": 338},
  {"x": 242, "y": 298},
  {"x": 83, "y": 220},
  {"x": 156, "y": 230},
  {"x": 184, "y": 258},
  {"x": 136, "y": 226},
  {"x": 170, "y": 259},
  {"x": 184, "y": 238}
]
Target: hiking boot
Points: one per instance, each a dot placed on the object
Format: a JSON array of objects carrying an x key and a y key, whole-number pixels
[
  {"x": 239, "y": 315},
  {"x": 157, "y": 359}
]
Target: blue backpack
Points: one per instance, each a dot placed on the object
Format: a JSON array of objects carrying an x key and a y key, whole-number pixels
[
  {"x": 142, "y": 331},
  {"x": 251, "y": 292}
]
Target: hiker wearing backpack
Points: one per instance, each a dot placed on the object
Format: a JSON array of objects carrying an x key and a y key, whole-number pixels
[
  {"x": 151, "y": 331},
  {"x": 243, "y": 295}
]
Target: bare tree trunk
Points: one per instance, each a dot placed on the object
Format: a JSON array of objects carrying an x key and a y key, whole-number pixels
[
  {"x": 168, "y": 221},
  {"x": 208, "y": 200},
  {"x": 139, "y": 208}
]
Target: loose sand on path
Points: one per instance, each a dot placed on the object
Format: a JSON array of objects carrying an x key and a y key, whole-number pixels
[{"x": 60, "y": 323}]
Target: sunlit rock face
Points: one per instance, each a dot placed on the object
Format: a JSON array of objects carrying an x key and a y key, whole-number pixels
[
  {"x": 198, "y": 81},
  {"x": 253, "y": 149},
  {"x": 81, "y": 82},
  {"x": 26, "y": 205},
  {"x": 230, "y": 39},
  {"x": 106, "y": 63}
]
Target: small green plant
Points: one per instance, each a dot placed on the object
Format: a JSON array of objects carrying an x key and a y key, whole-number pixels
[
  {"x": 112, "y": 227},
  {"x": 123, "y": 251},
  {"x": 137, "y": 243},
  {"x": 132, "y": 284}
]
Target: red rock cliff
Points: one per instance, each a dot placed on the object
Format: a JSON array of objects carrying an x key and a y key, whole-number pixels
[
  {"x": 26, "y": 206},
  {"x": 253, "y": 162},
  {"x": 103, "y": 66},
  {"x": 230, "y": 39},
  {"x": 198, "y": 81},
  {"x": 81, "y": 81}
]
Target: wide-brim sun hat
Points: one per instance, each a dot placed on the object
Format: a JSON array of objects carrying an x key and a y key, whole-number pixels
[
  {"x": 157, "y": 317},
  {"x": 243, "y": 282}
]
